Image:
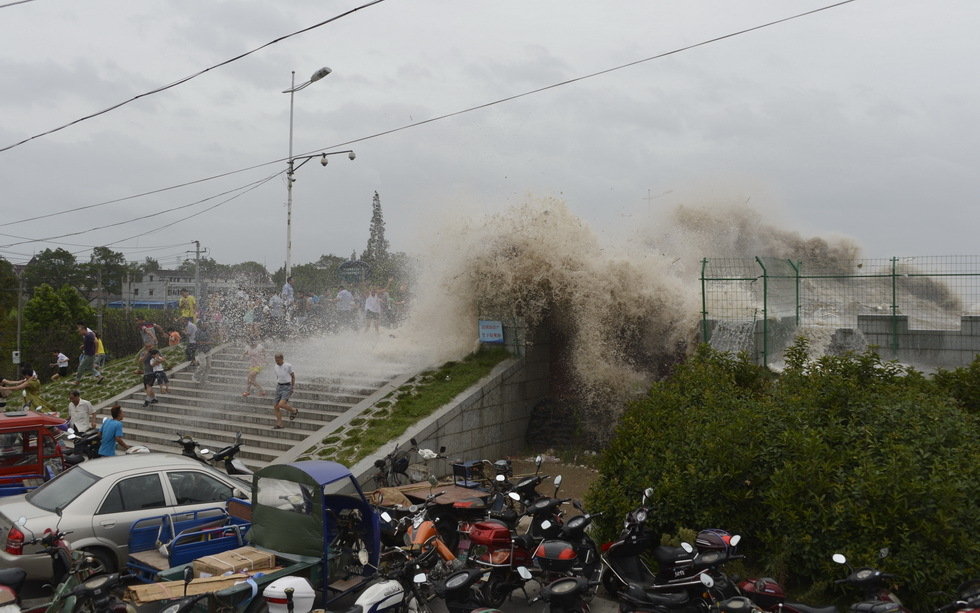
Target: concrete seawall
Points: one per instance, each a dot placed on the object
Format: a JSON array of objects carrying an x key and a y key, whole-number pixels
[{"x": 487, "y": 421}]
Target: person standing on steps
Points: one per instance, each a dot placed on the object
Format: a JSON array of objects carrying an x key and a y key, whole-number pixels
[
  {"x": 86, "y": 361},
  {"x": 256, "y": 360},
  {"x": 285, "y": 383},
  {"x": 149, "y": 377}
]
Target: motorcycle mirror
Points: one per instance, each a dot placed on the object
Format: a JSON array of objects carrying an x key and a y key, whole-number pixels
[
  {"x": 188, "y": 575},
  {"x": 735, "y": 540},
  {"x": 524, "y": 573},
  {"x": 413, "y": 442},
  {"x": 839, "y": 558},
  {"x": 537, "y": 463},
  {"x": 883, "y": 553},
  {"x": 514, "y": 496},
  {"x": 687, "y": 547},
  {"x": 545, "y": 524},
  {"x": 419, "y": 578},
  {"x": 363, "y": 556},
  {"x": 706, "y": 580},
  {"x": 442, "y": 449},
  {"x": 500, "y": 478},
  {"x": 433, "y": 481},
  {"x": 385, "y": 516},
  {"x": 578, "y": 505},
  {"x": 647, "y": 493}
]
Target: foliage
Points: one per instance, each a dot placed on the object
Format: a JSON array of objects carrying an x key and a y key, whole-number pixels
[
  {"x": 8, "y": 287},
  {"x": 49, "y": 324},
  {"x": 841, "y": 453},
  {"x": 962, "y": 385},
  {"x": 56, "y": 267}
]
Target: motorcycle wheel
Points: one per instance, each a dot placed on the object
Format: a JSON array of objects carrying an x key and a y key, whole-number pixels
[
  {"x": 611, "y": 584},
  {"x": 496, "y": 589}
]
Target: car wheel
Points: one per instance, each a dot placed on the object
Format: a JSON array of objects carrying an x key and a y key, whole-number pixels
[{"x": 104, "y": 562}]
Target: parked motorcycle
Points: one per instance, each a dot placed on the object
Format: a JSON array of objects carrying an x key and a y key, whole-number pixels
[
  {"x": 967, "y": 600},
  {"x": 81, "y": 582},
  {"x": 768, "y": 594},
  {"x": 84, "y": 446},
  {"x": 702, "y": 593},
  {"x": 223, "y": 458},
  {"x": 873, "y": 583}
]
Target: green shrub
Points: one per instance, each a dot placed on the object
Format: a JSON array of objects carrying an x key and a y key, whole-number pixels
[{"x": 843, "y": 453}]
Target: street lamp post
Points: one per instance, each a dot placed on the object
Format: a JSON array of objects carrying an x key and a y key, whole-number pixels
[{"x": 319, "y": 74}]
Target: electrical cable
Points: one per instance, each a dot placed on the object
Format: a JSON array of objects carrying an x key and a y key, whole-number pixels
[
  {"x": 3, "y": 6},
  {"x": 251, "y": 185},
  {"x": 424, "y": 121},
  {"x": 188, "y": 78}
]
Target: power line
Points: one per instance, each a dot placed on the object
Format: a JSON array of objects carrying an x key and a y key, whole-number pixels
[
  {"x": 26, "y": 240},
  {"x": 188, "y": 78},
  {"x": 438, "y": 117},
  {"x": 3, "y": 6}
]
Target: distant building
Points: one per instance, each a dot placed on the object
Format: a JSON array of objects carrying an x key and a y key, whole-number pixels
[{"x": 161, "y": 289}]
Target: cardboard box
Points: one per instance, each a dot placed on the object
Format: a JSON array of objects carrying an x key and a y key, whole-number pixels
[{"x": 233, "y": 561}]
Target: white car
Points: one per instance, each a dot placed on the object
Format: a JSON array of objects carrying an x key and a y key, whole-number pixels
[{"x": 98, "y": 502}]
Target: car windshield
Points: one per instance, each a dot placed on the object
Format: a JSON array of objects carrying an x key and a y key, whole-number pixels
[{"x": 60, "y": 491}]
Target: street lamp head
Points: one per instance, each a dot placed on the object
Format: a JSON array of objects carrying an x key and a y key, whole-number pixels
[
  {"x": 323, "y": 159},
  {"x": 319, "y": 74},
  {"x": 351, "y": 155}
]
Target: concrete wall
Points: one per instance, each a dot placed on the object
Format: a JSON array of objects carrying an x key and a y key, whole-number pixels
[
  {"x": 487, "y": 421},
  {"x": 924, "y": 349}
]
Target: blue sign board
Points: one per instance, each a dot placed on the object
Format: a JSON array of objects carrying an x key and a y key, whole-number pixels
[{"x": 491, "y": 332}]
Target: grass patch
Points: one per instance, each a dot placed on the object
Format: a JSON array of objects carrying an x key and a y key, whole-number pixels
[
  {"x": 428, "y": 392},
  {"x": 120, "y": 375}
]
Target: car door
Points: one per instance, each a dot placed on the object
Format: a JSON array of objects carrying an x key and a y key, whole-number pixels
[
  {"x": 194, "y": 490},
  {"x": 128, "y": 500}
]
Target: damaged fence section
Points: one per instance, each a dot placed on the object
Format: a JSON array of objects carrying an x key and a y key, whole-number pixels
[{"x": 924, "y": 311}]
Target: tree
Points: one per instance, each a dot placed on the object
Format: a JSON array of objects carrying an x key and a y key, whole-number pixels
[
  {"x": 106, "y": 270},
  {"x": 210, "y": 269},
  {"x": 54, "y": 267},
  {"x": 376, "y": 253},
  {"x": 149, "y": 265},
  {"x": 49, "y": 322},
  {"x": 8, "y": 287}
]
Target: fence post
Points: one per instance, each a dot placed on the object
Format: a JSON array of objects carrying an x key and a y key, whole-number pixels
[
  {"x": 765, "y": 312},
  {"x": 894, "y": 307},
  {"x": 704, "y": 304},
  {"x": 796, "y": 266}
]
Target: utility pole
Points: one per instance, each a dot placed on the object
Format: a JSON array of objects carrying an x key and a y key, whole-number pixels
[
  {"x": 101, "y": 302},
  {"x": 197, "y": 270}
]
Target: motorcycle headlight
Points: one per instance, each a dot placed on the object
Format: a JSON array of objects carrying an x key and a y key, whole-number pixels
[{"x": 641, "y": 516}]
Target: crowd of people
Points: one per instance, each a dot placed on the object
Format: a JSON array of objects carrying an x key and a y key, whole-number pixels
[{"x": 291, "y": 312}]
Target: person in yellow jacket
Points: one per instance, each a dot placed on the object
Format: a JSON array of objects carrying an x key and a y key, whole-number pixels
[
  {"x": 100, "y": 355},
  {"x": 187, "y": 305}
]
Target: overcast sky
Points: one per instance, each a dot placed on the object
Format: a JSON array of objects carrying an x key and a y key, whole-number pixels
[{"x": 860, "y": 120}]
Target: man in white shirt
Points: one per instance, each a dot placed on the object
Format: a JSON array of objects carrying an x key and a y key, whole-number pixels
[
  {"x": 372, "y": 311},
  {"x": 345, "y": 308},
  {"x": 285, "y": 382},
  {"x": 81, "y": 413}
]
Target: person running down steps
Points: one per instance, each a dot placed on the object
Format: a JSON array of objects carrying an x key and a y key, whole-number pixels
[{"x": 285, "y": 382}]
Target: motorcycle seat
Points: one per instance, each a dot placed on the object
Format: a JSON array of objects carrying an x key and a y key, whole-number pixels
[
  {"x": 805, "y": 608},
  {"x": 876, "y": 606},
  {"x": 668, "y": 555},
  {"x": 656, "y": 598},
  {"x": 13, "y": 578}
]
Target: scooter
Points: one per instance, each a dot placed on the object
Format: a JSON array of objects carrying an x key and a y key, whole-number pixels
[
  {"x": 224, "y": 456},
  {"x": 872, "y": 582},
  {"x": 85, "y": 446}
]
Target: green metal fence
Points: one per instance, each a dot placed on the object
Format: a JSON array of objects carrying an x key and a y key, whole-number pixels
[{"x": 759, "y": 305}]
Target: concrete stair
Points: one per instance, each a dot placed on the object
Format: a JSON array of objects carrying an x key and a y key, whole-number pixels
[{"x": 213, "y": 411}]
